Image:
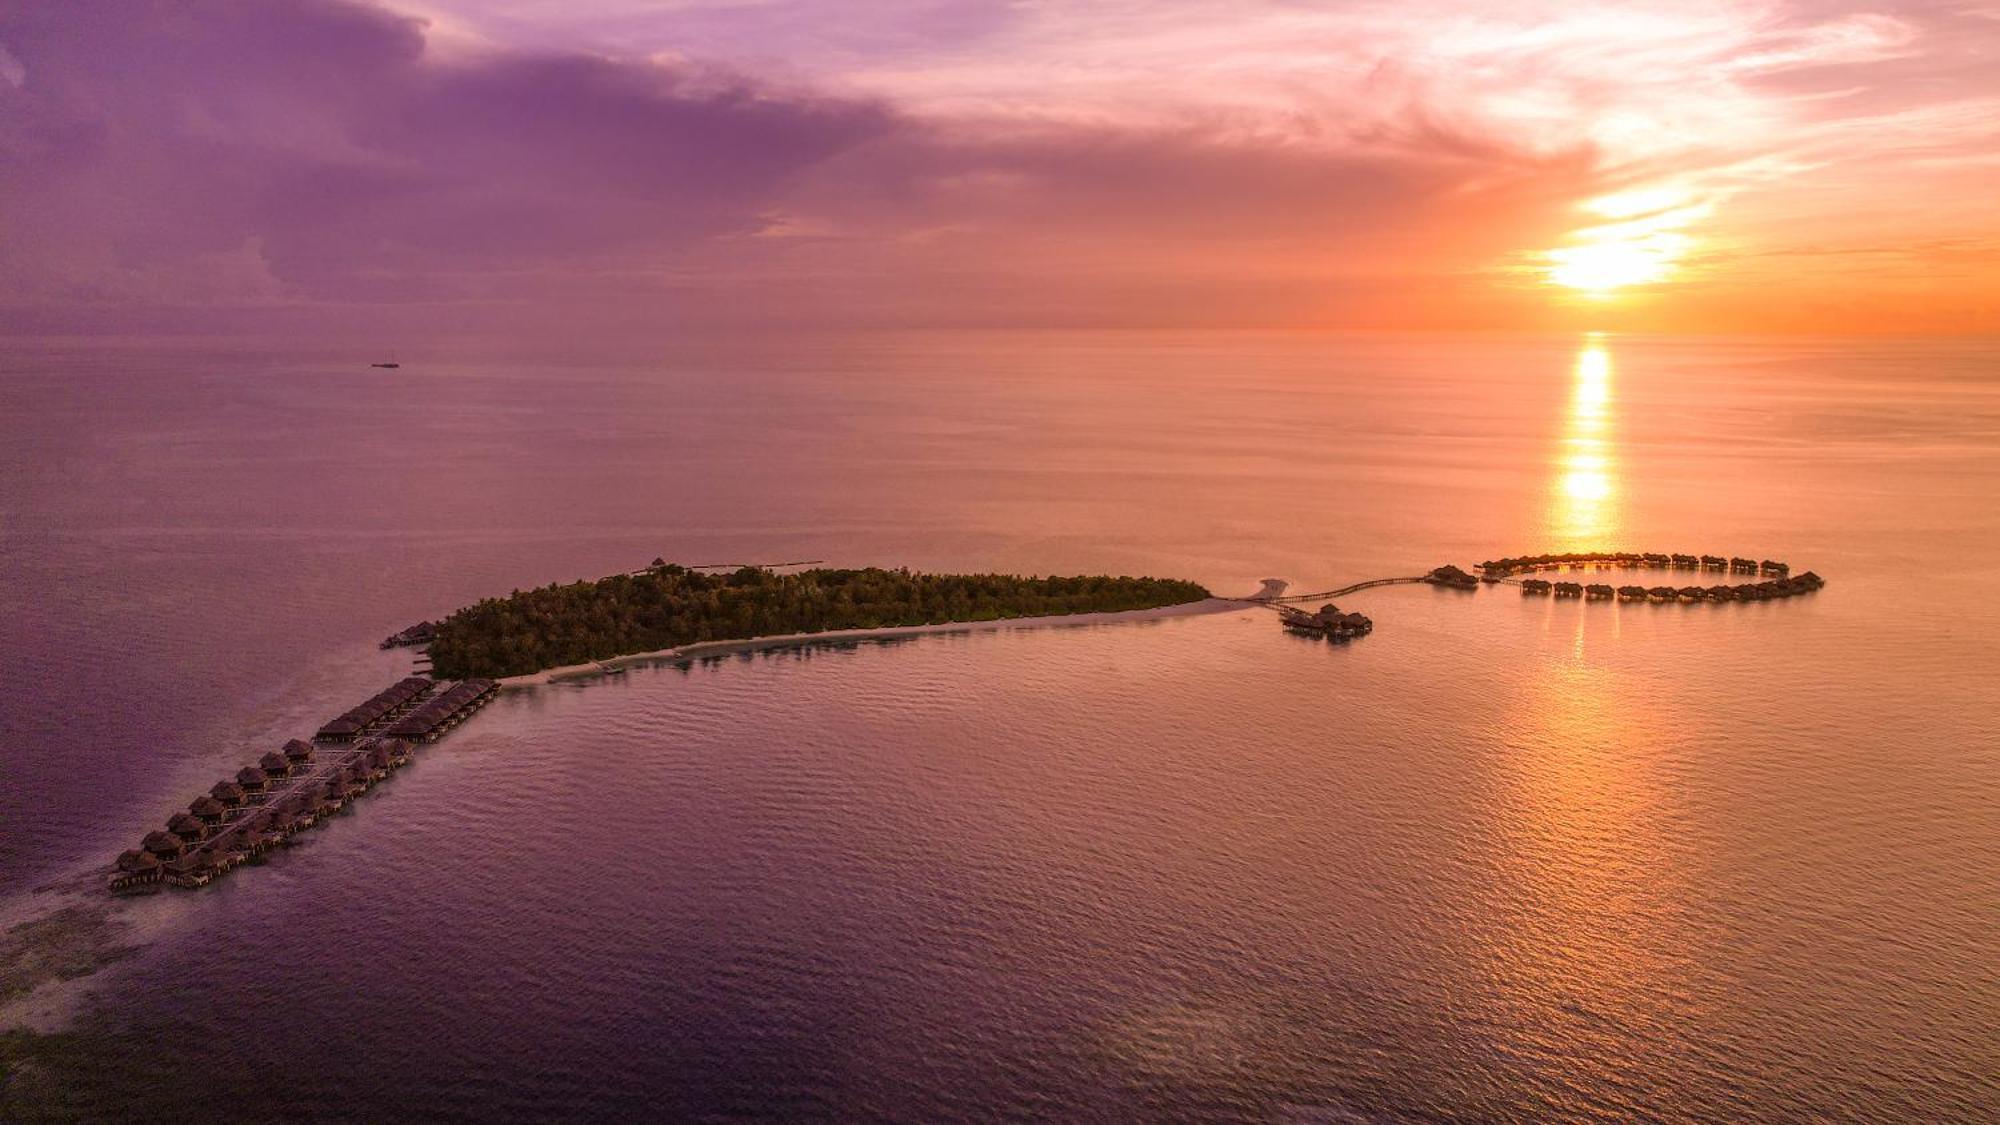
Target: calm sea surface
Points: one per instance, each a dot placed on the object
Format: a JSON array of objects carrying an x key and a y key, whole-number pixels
[{"x": 1504, "y": 859}]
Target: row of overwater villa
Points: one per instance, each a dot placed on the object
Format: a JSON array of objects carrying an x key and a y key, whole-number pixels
[{"x": 300, "y": 785}]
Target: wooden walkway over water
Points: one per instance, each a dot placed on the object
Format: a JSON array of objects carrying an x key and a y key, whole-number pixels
[{"x": 1329, "y": 595}]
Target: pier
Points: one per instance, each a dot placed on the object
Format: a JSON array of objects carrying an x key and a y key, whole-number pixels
[{"x": 299, "y": 785}]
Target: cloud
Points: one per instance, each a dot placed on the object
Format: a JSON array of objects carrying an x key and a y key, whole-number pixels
[
  {"x": 319, "y": 149},
  {"x": 1363, "y": 161}
]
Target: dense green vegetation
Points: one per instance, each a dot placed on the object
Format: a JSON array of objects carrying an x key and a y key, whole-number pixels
[{"x": 667, "y": 606}]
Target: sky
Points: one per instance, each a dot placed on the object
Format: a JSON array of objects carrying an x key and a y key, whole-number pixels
[{"x": 630, "y": 167}]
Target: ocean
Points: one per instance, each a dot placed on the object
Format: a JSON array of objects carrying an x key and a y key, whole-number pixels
[{"x": 1506, "y": 858}]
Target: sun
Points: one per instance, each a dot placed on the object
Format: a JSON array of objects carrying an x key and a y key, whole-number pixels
[
  {"x": 1600, "y": 268},
  {"x": 1642, "y": 245}
]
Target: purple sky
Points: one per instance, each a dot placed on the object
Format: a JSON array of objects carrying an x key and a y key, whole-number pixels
[{"x": 636, "y": 164}]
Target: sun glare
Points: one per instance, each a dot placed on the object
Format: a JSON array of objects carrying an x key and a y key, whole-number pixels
[
  {"x": 1605, "y": 266},
  {"x": 1642, "y": 245}
]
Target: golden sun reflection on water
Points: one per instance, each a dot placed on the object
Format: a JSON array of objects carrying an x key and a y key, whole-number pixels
[{"x": 1583, "y": 501}]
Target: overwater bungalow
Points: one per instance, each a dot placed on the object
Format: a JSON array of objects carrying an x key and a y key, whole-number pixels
[
  {"x": 1568, "y": 590},
  {"x": 1632, "y": 593},
  {"x": 135, "y": 869},
  {"x": 1291, "y": 617},
  {"x": 165, "y": 845},
  {"x": 228, "y": 792},
  {"x": 1599, "y": 591},
  {"x": 1722, "y": 593},
  {"x": 1535, "y": 586},
  {"x": 301, "y": 807},
  {"x": 1812, "y": 581},
  {"x": 1687, "y": 562},
  {"x": 1714, "y": 562},
  {"x": 1692, "y": 593},
  {"x": 252, "y": 779},
  {"x": 196, "y": 869},
  {"x": 422, "y": 633},
  {"x": 187, "y": 826},
  {"x": 1453, "y": 577},
  {"x": 342, "y": 729},
  {"x": 1771, "y": 566},
  {"x": 209, "y": 810},
  {"x": 274, "y": 764},
  {"x": 298, "y": 752},
  {"x": 1663, "y": 593},
  {"x": 186, "y": 872},
  {"x": 1656, "y": 560},
  {"x": 1352, "y": 625},
  {"x": 1741, "y": 565}
]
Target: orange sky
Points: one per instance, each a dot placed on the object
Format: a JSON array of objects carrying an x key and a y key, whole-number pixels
[{"x": 1254, "y": 163}]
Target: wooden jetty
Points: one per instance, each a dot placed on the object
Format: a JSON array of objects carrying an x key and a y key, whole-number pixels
[{"x": 298, "y": 785}]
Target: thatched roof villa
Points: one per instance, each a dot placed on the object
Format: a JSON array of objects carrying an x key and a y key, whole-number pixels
[
  {"x": 187, "y": 826},
  {"x": 208, "y": 810}
]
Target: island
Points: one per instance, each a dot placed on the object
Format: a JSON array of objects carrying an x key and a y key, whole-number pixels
[
  {"x": 668, "y": 606},
  {"x": 673, "y": 610}
]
